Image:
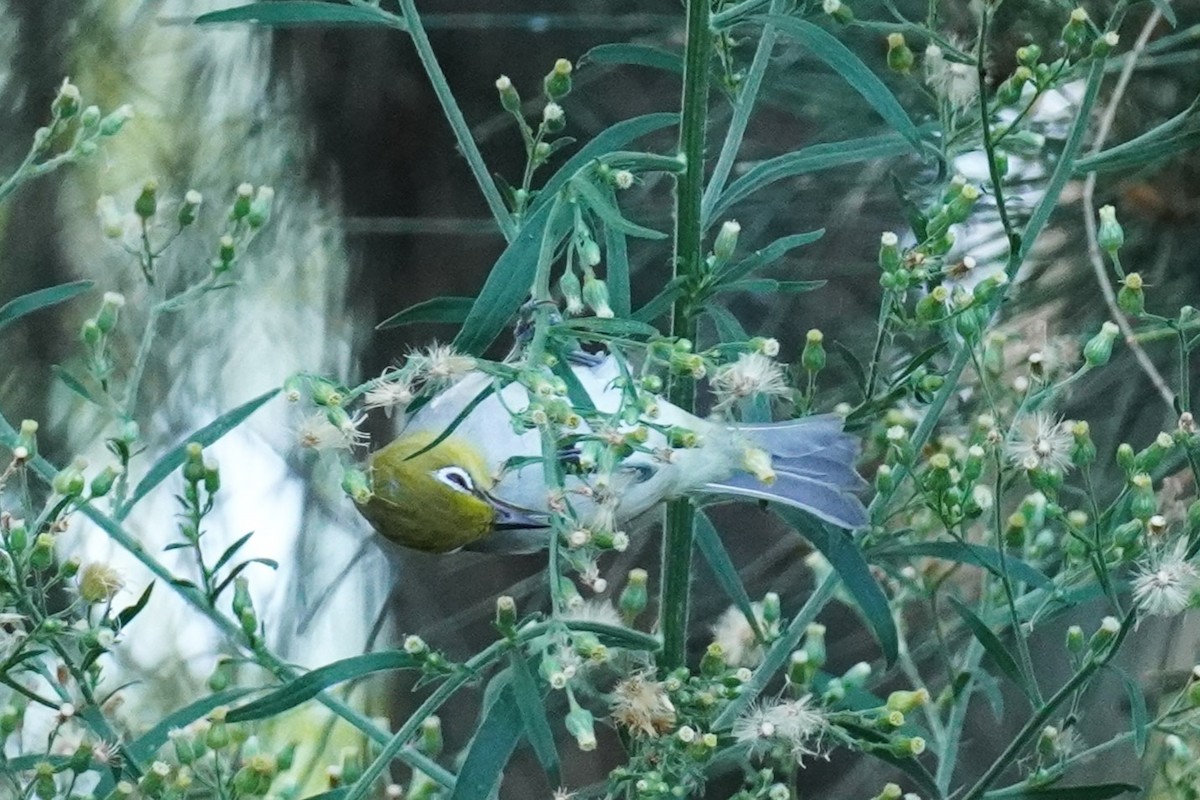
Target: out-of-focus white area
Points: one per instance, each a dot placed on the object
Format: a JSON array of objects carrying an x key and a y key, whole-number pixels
[{"x": 208, "y": 118}]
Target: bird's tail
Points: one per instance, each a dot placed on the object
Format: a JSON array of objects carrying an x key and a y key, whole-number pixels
[{"x": 813, "y": 464}]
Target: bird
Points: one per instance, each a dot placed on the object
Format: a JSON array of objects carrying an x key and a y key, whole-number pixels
[{"x": 451, "y": 481}]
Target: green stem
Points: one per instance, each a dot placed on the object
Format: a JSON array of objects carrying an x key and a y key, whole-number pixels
[
  {"x": 462, "y": 132},
  {"x": 689, "y": 191}
]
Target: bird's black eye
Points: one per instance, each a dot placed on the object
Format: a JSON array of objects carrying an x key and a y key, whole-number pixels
[{"x": 456, "y": 478}]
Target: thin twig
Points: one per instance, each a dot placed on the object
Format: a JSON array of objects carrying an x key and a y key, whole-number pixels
[{"x": 1089, "y": 215}]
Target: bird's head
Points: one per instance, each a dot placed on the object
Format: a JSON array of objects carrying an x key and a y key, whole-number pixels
[{"x": 438, "y": 498}]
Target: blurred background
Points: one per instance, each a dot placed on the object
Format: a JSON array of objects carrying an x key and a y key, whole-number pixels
[{"x": 376, "y": 210}]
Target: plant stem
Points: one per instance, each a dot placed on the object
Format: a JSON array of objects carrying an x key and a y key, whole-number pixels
[
  {"x": 462, "y": 132},
  {"x": 689, "y": 191}
]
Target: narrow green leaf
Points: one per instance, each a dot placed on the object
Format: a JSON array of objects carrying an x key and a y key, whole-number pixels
[
  {"x": 495, "y": 740},
  {"x": 638, "y": 55},
  {"x": 994, "y": 647},
  {"x": 829, "y": 49},
  {"x": 814, "y": 158},
  {"x": 454, "y": 423},
  {"x": 127, "y": 614},
  {"x": 768, "y": 255},
  {"x": 615, "y": 636},
  {"x": 856, "y": 367},
  {"x": 310, "y": 684},
  {"x": 612, "y": 138},
  {"x": 850, "y": 565},
  {"x": 974, "y": 554},
  {"x": 175, "y": 457},
  {"x": 609, "y": 326},
  {"x": 284, "y": 13},
  {"x": 616, "y": 267},
  {"x": 75, "y": 385},
  {"x": 909, "y": 766},
  {"x": 1139, "y": 716},
  {"x": 506, "y": 287},
  {"x": 231, "y": 551},
  {"x": 714, "y": 552},
  {"x": 440, "y": 309},
  {"x": 608, "y": 212},
  {"x": 770, "y": 285},
  {"x": 26, "y": 304},
  {"x": 1099, "y": 791},
  {"x": 532, "y": 707},
  {"x": 147, "y": 745}
]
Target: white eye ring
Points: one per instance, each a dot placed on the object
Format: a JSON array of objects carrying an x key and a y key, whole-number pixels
[{"x": 456, "y": 478}]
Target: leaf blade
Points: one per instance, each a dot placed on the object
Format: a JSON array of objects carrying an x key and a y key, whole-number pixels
[
  {"x": 28, "y": 303},
  {"x": 312, "y": 683},
  {"x": 442, "y": 310},
  {"x": 708, "y": 541},
  {"x": 174, "y": 458},
  {"x": 493, "y": 744},
  {"x": 533, "y": 716},
  {"x": 287, "y": 13},
  {"x": 994, "y": 647}
]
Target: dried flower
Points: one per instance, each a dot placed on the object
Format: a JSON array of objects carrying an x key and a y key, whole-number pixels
[
  {"x": 392, "y": 392},
  {"x": 798, "y": 723},
  {"x": 641, "y": 704},
  {"x": 957, "y": 84},
  {"x": 442, "y": 364},
  {"x": 99, "y": 583}
]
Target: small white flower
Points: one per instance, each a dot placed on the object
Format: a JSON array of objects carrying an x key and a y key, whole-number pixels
[
  {"x": 1039, "y": 441},
  {"x": 1164, "y": 582},
  {"x": 503, "y": 83},
  {"x": 553, "y": 112},
  {"x": 752, "y": 374},
  {"x": 414, "y": 645},
  {"x": 797, "y": 723},
  {"x": 686, "y": 734},
  {"x": 316, "y": 432},
  {"x": 442, "y": 364},
  {"x": 392, "y": 393},
  {"x": 623, "y": 178}
]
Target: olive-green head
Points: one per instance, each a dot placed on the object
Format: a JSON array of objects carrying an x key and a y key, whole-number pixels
[{"x": 435, "y": 499}]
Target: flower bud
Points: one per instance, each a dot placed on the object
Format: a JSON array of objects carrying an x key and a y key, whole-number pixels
[
  {"x": 1104, "y": 635},
  {"x": 1028, "y": 55},
  {"x": 1105, "y": 44},
  {"x": 189, "y": 207},
  {"x": 932, "y": 306},
  {"x": 509, "y": 98},
  {"x": 69, "y": 482},
  {"x": 726, "y": 241},
  {"x": 890, "y": 791},
  {"x": 111, "y": 125},
  {"x": 260, "y": 208},
  {"x": 67, "y": 101},
  {"x": 960, "y": 207},
  {"x": 712, "y": 663},
  {"x": 572, "y": 292},
  {"x": 110, "y": 308},
  {"x": 906, "y": 702},
  {"x": 595, "y": 296},
  {"x": 812, "y": 358},
  {"x": 1075, "y": 33},
  {"x": 557, "y": 83},
  {"x": 1083, "y": 451},
  {"x": 1098, "y": 350},
  {"x": 890, "y": 258},
  {"x": 147, "y": 202},
  {"x": 1075, "y": 642},
  {"x": 553, "y": 118},
  {"x": 1131, "y": 298},
  {"x": 838, "y": 10},
  {"x": 506, "y": 612},
  {"x": 1142, "y": 503},
  {"x": 1110, "y": 236},
  {"x": 430, "y": 741},
  {"x": 634, "y": 596},
  {"x": 899, "y": 56},
  {"x": 581, "y": 725},
  {"x": 357, "y": 485}
]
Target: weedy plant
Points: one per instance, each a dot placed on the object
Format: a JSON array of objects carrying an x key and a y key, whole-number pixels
[{"x": 985, "y": 523}]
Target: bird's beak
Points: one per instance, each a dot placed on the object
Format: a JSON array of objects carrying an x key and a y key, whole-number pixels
[{"x": 515, "y": 518}]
